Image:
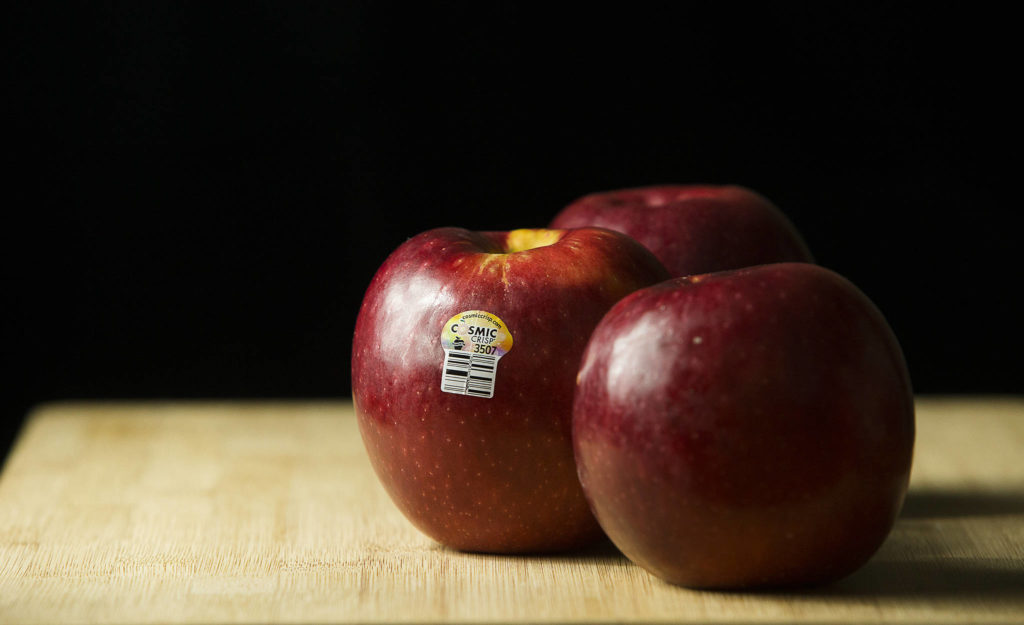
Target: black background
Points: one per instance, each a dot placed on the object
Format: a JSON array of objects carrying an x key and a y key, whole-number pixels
[{"x": 200, "y": 194}]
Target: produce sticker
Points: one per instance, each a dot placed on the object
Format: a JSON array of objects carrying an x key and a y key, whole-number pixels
[{"x": 473, "y": 342}]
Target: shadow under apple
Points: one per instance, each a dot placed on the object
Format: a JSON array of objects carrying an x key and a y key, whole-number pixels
[
  {"x": 946, "y": 503},
  {"x": 958, "y": 578},
  {"x": 603, "y": 552}
]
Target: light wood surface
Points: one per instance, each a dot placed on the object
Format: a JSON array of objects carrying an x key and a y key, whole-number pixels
[{"x": 270, "y": 512}]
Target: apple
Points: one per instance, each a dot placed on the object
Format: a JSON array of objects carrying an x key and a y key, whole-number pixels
[
  {"x": 464, "y": 362},
  {"x": 748, "y": 428},
  {"x": 694, "y": 229}
]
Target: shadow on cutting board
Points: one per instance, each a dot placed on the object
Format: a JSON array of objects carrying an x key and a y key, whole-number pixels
[
  {"x": 955, "y": 578},
  {"x": 602, "y": 552},
  {"x": 931, "y": 504}
]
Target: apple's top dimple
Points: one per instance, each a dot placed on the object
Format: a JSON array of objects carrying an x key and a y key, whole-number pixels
[{"x": 525, "y": 239}]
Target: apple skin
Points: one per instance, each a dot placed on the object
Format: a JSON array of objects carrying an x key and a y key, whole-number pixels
[
  {"x": 478, "y": 474},
  {"x": 694, "y": 229},
  {"x": 750, "y": 428}
]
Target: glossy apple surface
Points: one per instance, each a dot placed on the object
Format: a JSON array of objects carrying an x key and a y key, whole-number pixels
[
  {"x": 694, "y": 229},
  {"x": 751, "y": 428},
  {"x": 475, "y": 473}
]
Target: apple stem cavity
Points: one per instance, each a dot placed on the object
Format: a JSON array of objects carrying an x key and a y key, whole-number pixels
[{"x": 525, "y": 239}]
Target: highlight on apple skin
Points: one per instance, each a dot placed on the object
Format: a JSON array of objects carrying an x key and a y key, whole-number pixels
[
  {"x": 745, "y": 429},
  {"x": 694, "y": 229},
  {"x": 474, "y": 447}
]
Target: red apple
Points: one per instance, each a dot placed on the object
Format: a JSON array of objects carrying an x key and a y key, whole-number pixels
[
  {"x": 694, "y": 229},
  {"x": 751, "y": 428},
  {"x": 473, "y": 471}
]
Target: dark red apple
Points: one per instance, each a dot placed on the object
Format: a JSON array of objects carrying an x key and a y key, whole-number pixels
[
  {"x": 694, "y": 229},
  {"x": 464, "y": 362},
  {"x": 751, "y": 428}
]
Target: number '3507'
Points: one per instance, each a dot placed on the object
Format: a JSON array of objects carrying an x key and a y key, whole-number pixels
[{"x": 484, "y": 349}]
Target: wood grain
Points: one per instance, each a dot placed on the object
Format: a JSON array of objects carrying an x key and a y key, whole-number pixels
[{"x": 270, "y": 512}]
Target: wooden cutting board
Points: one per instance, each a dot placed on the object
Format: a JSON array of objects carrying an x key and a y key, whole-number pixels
[{"x": 270, "y": 512}]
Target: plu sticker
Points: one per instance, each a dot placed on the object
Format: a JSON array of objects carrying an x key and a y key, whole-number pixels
[{"x": 473, "y": 342}]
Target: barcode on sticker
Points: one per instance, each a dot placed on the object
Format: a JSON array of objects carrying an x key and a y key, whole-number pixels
[{"x": 468, "y": 374}]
